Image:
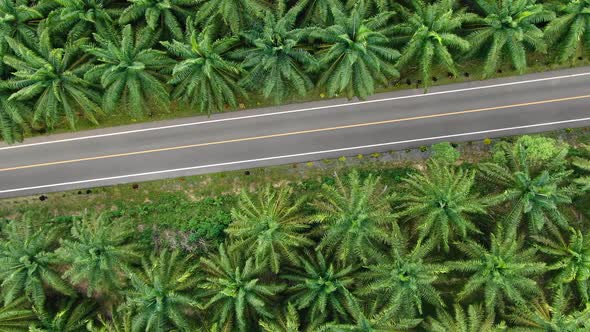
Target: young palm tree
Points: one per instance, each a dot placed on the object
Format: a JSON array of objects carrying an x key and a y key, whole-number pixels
[
  {"x": 509, "y": 27},
  {"x": 26, "y": 258},
  {"x": 541, "y": 316},
  {"x": 74, "y": 316},
  {"x": 572, "y": 260},
  {"x": 204, "y": 77},
  {"x": 356, "y": 215},
  {"x": 159, "y": 14},
  {"x": 323, "y": 288},
  {"x": 130, "y": 72},
  {"x": 98, "y": 252},
  {"x": 81, "y": 18},
  {"x": 475, "y": 320},
  {"x": 583, "y": 164},
  {"x": 269, "y": 227},
  {"x": 356, "y": 56},
  {"x": 441, "y": 199},
  {"x": 53, "y": 77},
  {"x": 12, "y": 117},
  {"x": 276, "y": 62},
  {"x": 16, "y": 17},
  {"x": 503, "y": 273},
  {"x": 160, "y": 292},
  {"x": 289, "y": 322},
  {"x": 235, "y": 14},
  {"x": 430, "y": 36},
  {"x": 16, "y": 317},
  {"x": 404, "y": 280},
  {"x": 235, "y": 295},
  {"x": 570, "y": 31}
]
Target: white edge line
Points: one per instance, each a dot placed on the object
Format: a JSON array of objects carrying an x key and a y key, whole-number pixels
[
  {"x": 297, "y": 110},
  {"x": 294, "y": 155}
]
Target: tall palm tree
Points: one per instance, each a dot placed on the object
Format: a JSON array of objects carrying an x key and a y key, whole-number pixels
[
  {"x": 269, "y": 226},
  {"x": 276, "y": 62},
  {"x": 159, "y": 294},
  {"x": 356, "y": 57},
  {"x": 442, "y": 201},
  {"x": 159, "y": 14},
  {"x": 570, "y": 31},
  {"x": 204, "y": 77},
  {"x": 235, "y": 14},
  {"x": 53, "y": 78},
  {"x": 572, "y": 260},
  {"x": 322, "y": 287},
  {"x": 27, "y": 260},
  {"x": 287, "y": 322},
  {"x": 430, "y": 36},
  {"x": 356, "y": 216},
  {"x": 130, "y": 72},
  {"x": 73, "y": 316},
  {"x": 583, "y": 164},
  {"x": 234, "y": 291},
  {"x": 98, "y": 252},
  {"x": 475, "y": 320},
  {"x": 503, "y": 272},
  {"x": 404, "y": 279},
  {"x": 508, "y": 29},
  {"x": 12, "y": 117},
  {"x": 82, "y": 17},
  {"x": 16, "y": 317}
]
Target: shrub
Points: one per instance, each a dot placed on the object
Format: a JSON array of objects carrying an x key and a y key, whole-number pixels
[{"x": 444, "y": 152}]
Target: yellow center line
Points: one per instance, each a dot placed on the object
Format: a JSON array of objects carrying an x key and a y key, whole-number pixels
[{"x": 301, "y": 132}]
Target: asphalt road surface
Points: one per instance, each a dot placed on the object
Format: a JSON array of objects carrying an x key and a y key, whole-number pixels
[{"x": 296, "y": 133}]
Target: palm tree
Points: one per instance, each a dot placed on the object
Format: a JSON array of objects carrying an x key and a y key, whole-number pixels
[
  {"x": 98, "y": 252},
  {"x": 535, "y": 195},
  {"x": 73, "y": 316},
  {"x": 570, "y": 31},
  {"x": 234, "y": 292},
  {"x": 322, "y": 287},
  {"x": 159, "y": 14},
  {"x": 160, "y": 292},
  {"x": 503, "y": 273},
  {"x": 26, "y": 257},
  {"x": 16, "y": 317},
  {"x": 508, "y": 28},
  {"x": 121, "y": 321},
  {"x": 404, "y": 280},
  {"x": 441, "y": 199},
  {"x": 289, "y": 322},
  {"x": 82, "y": 17},
  {"x": 12, "y": 117},
  {"x": 572, "y": 260},
  {"x": 269, "y": 226},
  {"x": 375, "y": 6},
  {"x": 53, "y": 77},
  {"x": 356, "y": 56},
  {"x": 356, "y": 215},
  {"x": 583, "y": 164},
  {"x": 430, "y": 36},
  {"x": 541, "y": 316},
  {"x": 130, "y": 72},
  {"x": 235, "y": 14},
  {"x": 276, "y": 62},
  {"x": 16, "y": 18},
  {"x": 475, "y": 320},
  {"x": 204, "y": 77},
  {"x": 319, "y": 12}
]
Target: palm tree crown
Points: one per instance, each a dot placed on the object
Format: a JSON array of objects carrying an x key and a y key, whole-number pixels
[
  {"x": 12, "y": 117},
  {"x": 236, "y": 14},
  {"x": 166, "y": 14},
  {"x": 16, "y": 317},
  {"x": 570, "y": 31},
  {"x": 475, "y": 320},
  {"x": 82, "y": 17}
]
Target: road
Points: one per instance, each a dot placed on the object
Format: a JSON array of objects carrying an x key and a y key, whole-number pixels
[{"x": 296, "y": 133}]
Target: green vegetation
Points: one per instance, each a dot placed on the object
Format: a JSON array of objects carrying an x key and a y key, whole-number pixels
[
  {"x": 500, "y": 245},
  {"x": 82, "y": 63}
]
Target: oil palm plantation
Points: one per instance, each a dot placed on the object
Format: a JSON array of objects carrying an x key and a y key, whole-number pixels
[
  {"x": 356, "y": 57},
  {"x": 27, "y": 260},
  {"x": 53, "y": 79},
  {"x": 276, "y": 62},
  {"x": 204, "y": 78},
  {"x": 168, "y": 15},
  {"x": 160, "y": 293},
  {"x": 235, "y": 292},
  {"x": 430, "y": 34},
  {"x": 80, "y": 18},
  {"x": 442, "y": 202},
  {"x": 502, "y": 274},
  {"x": 474, "y": 320},
  {"x": 508, "y": 29},
  {"x": 323, "y": 288},
  {"x": 356, "y": 217},
  {"x": 71, "y": 316},
  {"x": 131, "y": 72},
  {"x": 570, "y": 31},
  {"x": 98, "y": 252},
  {"x": 12, "y": 117},
  {"x": 235, "y": 14},
  {"x": 269, "y": 227},
  {"x": 16, "y": 317}
]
